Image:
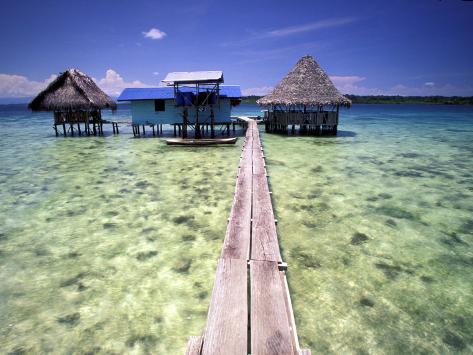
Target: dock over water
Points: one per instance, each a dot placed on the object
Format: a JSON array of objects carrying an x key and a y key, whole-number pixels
[{"x": 250, "y": 309}]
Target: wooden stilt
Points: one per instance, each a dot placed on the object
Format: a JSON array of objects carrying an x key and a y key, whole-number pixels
[
  {"x": 154, "y": 134},
  {"x": 174, "y": 130},
  {"x": 184, "y": 124},
  {"x": 55, "y": 129},
  {"x": 212, "y": 122},
  {"x": 78, "y": 129},
  {"x": 64, "y": 129},
  {"x": 197, "y": 133}
]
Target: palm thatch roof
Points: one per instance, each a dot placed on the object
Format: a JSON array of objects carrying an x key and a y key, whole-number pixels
[
  {"x": 72, "y": 91},
  {"x": 306, "y": 84}
]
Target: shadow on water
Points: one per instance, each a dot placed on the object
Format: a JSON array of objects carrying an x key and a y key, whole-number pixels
[{"x": 340, "y": 134}]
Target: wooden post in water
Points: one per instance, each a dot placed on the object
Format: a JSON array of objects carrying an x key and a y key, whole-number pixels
[
  {"x": 197, "y": 134},
  {"x": 212, "y": 122},
  {"x": 184, "y": 124}
]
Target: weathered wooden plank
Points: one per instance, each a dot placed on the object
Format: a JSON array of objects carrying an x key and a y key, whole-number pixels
[
  {"x": 237, "y": 238},
  {"x": 227, "y": 323},
  {"x": 290, "y": 312},
  {"x": 264, "y": 240},
  {"x": 194, "y": 345},
  {"x": 236, "y": 244},
  {"x": 258, "y": 163},
  {"x": 270, "y": 333}
]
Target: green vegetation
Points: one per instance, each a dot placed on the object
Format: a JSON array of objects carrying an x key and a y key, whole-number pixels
[
  {"x": 433, "y": 100},
  {"x": 382, "y": 99}
]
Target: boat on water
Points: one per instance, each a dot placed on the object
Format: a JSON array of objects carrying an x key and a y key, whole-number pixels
[{"x": 203, "y": 141}]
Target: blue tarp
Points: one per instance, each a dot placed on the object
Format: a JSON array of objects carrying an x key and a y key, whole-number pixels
[{"x": 130, "y": 94}]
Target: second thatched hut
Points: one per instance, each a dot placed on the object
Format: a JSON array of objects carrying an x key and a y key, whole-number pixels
[
  {"x": 74, "y": 98},
  {"x": 306, "y": 98}
]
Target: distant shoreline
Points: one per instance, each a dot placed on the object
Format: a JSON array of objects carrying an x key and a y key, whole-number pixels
[{"x": 382, "y": 99}]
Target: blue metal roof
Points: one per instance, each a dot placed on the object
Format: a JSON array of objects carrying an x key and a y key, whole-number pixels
[{"x": 167, "y": 92}]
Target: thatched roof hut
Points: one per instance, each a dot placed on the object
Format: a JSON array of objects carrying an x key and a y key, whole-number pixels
[
  {"x": 72, "y": 91},
  {"x": 306, "y": 84}
]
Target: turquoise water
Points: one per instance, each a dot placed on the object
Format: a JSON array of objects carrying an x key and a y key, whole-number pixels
[
  {"x": 109, "y": 244},
  {"x": 376, "y": 227}
]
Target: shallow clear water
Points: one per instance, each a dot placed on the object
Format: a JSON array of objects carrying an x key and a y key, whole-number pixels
[
  {"x": 376, "y": 227},
  {"x": 109, "y": 245},
  {"x": 106, "y": 244}
]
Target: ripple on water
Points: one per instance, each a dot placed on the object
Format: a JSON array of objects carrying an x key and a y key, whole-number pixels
[
  {"x": 103, "y": 258},
  {"x": 400, "y": 247}
]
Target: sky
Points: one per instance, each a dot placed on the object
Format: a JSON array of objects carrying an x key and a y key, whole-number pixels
[{"x": 411, "y": 47}]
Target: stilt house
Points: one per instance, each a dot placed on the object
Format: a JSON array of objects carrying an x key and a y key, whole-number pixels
[
  {"x": 190, "y": 100},
  {"x": 305, "y": 98},
  {"x": 75, "y": 99}
]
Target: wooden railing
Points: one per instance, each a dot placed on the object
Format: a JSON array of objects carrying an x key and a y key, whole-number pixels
[{"x": 329, "y": 118}]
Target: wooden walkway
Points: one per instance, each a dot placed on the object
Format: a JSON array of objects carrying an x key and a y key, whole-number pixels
[{"x": 250, "y": 310}]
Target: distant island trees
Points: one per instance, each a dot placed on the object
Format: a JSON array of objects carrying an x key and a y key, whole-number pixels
[{"x": 384, "y": 99}]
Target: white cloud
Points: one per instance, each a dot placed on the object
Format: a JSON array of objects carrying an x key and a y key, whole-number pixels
[
  {"x": 346, "y": 80},
  {"x": 350, "y": 85},
  {"x": 317, "y": 25},
  {"x": 156, "y": 73},
  {"x": 259, "y": 91},
  {"x": 21, "y": 86},
  {"x": 431, "y": 90},
  {"x": 347, "y": 85},
  {"x": 113, "y": 83},
  {"x": 291, "y": 30},
  {"x": 154, "y": 33}
]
